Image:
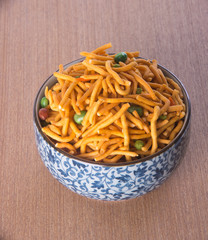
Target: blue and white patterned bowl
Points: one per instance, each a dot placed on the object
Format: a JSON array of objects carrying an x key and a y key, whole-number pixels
[{"x": 105, "y": 181}]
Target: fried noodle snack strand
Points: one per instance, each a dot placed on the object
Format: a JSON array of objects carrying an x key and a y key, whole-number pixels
[{"x": 156, "y": 114}]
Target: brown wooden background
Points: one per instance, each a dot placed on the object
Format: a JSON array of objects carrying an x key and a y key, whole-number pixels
[{"x": 35, "y": 37}]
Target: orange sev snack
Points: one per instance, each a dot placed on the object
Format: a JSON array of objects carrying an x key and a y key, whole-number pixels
[{"x": 89, "y": 107}]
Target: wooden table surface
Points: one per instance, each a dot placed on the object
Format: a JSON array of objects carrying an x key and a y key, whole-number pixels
[{"x": 35, "y": 37}]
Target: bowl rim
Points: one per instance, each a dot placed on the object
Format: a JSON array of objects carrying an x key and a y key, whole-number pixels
[{"x": 136, "y": 161}]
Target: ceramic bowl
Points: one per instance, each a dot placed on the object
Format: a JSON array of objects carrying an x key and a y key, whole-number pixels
[{"x": 106, "y": 181}]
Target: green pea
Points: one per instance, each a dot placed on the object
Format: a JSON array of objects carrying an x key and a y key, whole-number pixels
[
  {"x": 116, "y": 65},
  {"x": 78, "y": 118},
  {"x": 44, "y": 102},
  {"x": 77, "y": 76},
  {"x": 138, "y": 91},
  {"x": 139, "y": 144},
  {"x": 163, "y": 117},
  {"x": 137, "y": 108},
  {"x": 120, "y": 57}
]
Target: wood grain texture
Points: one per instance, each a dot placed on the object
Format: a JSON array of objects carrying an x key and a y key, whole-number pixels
[{"x": 35, "y": 37}]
